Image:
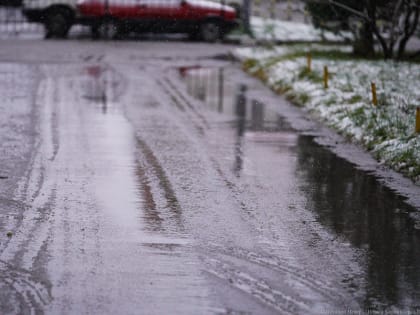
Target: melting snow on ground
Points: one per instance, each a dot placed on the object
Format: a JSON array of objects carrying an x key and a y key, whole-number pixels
[{"x": 270, "y": 29}]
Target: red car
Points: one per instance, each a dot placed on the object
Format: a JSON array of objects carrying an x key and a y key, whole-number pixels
[{"x": 200, "y": 19}]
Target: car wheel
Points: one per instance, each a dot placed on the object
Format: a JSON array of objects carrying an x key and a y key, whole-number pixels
[
  {"x": 194, "y": 36},
  {"x": 57, "y": 25},
  {"x": 94, "y": 31},
  {"x": 210, "y": 31},
  {"x": 108, "y": 29}
]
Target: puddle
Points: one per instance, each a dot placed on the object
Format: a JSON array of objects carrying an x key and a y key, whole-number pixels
[
  {"x": 347, "y": 202},
  {"x": 114, "y": 210},
  {"x": 215, "y": 89},
  {"x": 356, "y": 207},
  {"x": 115, "y": 182}
]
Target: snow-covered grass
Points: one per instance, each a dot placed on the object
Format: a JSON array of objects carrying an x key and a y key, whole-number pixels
[
  {"x": 269, "y": 29},
  {"x": 387, "y": 130}
]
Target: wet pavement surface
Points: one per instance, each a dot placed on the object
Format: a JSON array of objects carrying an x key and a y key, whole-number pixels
[{"x": 156, "y": 178}]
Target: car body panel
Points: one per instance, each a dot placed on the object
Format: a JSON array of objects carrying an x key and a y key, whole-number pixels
[{"x": 159, "y": 16}]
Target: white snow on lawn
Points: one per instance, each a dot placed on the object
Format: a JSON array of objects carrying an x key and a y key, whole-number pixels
[
  {"x": 269, "y": 29},
  {"x": 17, "y": 85},
  {"x": 386, "y": 130}
]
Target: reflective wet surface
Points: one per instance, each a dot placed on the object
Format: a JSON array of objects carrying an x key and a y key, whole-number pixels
[
  {"x": 370, "y": 217},
  {"x": 349, "y": 203},
  {"x": 179, "y": 186}
]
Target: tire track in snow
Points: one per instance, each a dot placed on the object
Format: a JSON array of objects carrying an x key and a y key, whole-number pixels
[
  {"x": 301, "y": 276},
  {"x": 170, "y": 201},
  {"x": 32, "y": 231},
  {"x": 255, "y": 287},
  {"x": 189, "y": 104},
  {"x": 32, "y": 294},
  {"x": 200, "y": 126}
]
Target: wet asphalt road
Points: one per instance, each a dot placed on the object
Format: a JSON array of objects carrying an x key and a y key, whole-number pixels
[{"x": 130, "y": 186}]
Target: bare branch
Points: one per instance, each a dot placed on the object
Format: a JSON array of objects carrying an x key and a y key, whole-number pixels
[
  {"x": 349, "y": 9},
  {"x": 395, "y": 21}
]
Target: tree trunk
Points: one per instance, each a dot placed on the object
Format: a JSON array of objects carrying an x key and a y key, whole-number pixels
[
  {"x": 401, "y": 48},
  {"x": 387, "y": 48},
  {"x": 410, "y": 27},
  {"x": 364, "y": 45}
]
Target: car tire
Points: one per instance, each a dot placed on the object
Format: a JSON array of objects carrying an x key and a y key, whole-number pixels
[
  {"x": 94, "y": 31},
  {"x": 211, "y": 31},
  {"x": 57, "y": 24},
  {"x": 108, "y": 29},
  {"x": 194, "y": 36}
]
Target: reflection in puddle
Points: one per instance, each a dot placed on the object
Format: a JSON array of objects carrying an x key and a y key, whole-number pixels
[
  {"x": 224, "y": 96},
  {"x": 114, "y": 183},
  {"x": 255, "y": 123},
  {"x": 350, "y": 203},
  {"x": 206, "y": 84},
  {"x": 103, "y": 85},
  {"x": 355, "y": 206},
  {"x": 240, "y": 127},
  {"x": 257, "y": 115},
  {"x": 252, "y": 120}
]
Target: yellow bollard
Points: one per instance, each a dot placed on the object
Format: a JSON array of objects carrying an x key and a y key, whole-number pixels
[
  {"x": 309, "y": 61},
  {"x": 374, "y": 95},
  {"x": 326, "y": 75},
  {"x": 418, "y": 120}
]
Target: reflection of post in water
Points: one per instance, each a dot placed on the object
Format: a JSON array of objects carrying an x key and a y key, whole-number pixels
[
  {"x": 104, "y": 101},
  {"x": 205, "y": 84},
  {"x": 221, "y": 90},
  {"x": 201, "y": 85},
  {"x": 104, "y": 98},
  {"x": 240, "y": 110},
  {"x": 257, "y": 118},
  {"x": 190, "y": 77},
  {"x": 188, "y": 82},
  {"x": 195, "y": 83},
  {"x": 214, "y": 87},
  {"x": 191, "y": 83}
]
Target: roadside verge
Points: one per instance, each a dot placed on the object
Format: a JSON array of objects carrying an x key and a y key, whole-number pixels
[{"x": 343, "y": 98}]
